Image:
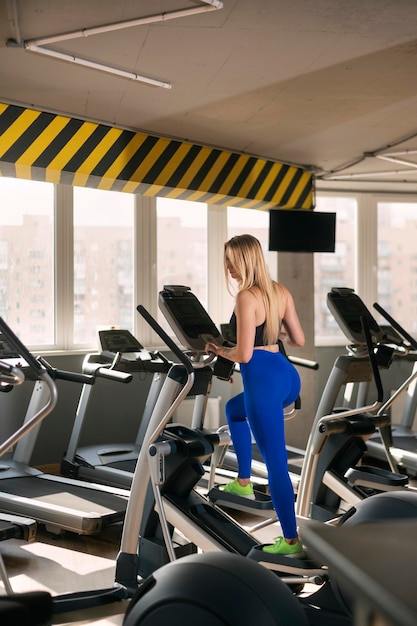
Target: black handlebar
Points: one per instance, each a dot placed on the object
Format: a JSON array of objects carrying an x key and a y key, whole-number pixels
[
  {"x": 364, "y": 426},
  {"x": 166, "y": 338},
  {"x": 396, "y": 326},
  {"x": 85, "y": 379},
  {"x": 372, "y": 358},
  {"x": 40, "y": 365},
  {"x": 57, "y": 374}
]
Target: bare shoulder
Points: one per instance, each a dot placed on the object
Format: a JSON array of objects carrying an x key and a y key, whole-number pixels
[
  {"x": 285, "y": 299},
  {"x": 246, "y": 297}
]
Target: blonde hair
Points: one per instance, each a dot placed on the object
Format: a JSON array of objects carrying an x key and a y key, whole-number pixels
[{"x": 245, "y": 253}]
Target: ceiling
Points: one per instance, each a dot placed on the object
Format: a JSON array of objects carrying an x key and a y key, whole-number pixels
[{"x": 326, "y": 84}]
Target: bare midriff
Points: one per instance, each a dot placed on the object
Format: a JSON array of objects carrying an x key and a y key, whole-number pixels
[{"x": 273, "y": 348}]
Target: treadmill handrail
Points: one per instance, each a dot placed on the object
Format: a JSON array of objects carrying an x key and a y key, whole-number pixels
[
  {"x": 103, "y": 371},
  {"x": 36, "y": 419},
  {"x": 10, "y": 374},
  {"x": 70, "y": 601},
  {"x": 295, "y": 360}
]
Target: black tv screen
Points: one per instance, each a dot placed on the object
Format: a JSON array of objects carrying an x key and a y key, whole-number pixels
[{"x": 301, "y": 231}]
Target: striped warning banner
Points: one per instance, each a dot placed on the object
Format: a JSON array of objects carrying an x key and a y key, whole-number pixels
[{"x": 45, "y": 146}]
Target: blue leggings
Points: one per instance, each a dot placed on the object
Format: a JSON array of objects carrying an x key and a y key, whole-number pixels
[{"x": 270, "y": 383}]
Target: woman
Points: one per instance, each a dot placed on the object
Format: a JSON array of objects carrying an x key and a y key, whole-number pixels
[{"x": 264, "y": 311}]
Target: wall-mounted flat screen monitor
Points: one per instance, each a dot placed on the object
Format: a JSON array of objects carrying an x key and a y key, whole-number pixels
[{"x": 301, "y": 231}]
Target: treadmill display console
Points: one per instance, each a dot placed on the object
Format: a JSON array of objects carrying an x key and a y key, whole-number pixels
[
  {"x": 9, "y": 354},
  {"x": 6, "y": 350},
  {"x": 348, "y": 309},
  {"x": 119, "y": 341},
  {"x": 192, "y": 324},
  {"x": 188, "y": 318}
]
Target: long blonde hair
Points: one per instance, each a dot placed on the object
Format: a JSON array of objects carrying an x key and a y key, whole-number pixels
[{"x": 245, "y": 253}]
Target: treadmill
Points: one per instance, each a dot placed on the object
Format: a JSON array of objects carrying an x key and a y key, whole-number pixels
[
  {"x": 396, "y": 444},
  {"x": 114, "y": 463},
  {"x": 59, "y": 503},
  {"x": 403, "y": 440},
  {"x": 12, "y": 526}
]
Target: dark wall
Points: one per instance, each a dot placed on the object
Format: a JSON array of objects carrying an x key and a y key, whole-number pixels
[
  {"x": 113, "y": 414},
  {"x": 115, "y": 409}
]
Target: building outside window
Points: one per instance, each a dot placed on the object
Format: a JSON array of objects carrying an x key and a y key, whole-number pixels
[
  {"x": 67, "y": 267},
  {"x": 27, "y": 259},
  {"x": 182, "y": 247},
  {"x": 103, "y": 262},
  {"x": 336, "y": 269},
  {"x": 397, "y": 262}
]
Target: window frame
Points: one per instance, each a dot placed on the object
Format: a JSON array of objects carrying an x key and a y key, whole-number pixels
[
  {"x": 145, "y": 261},
  {"x": 366, "y": 260}
]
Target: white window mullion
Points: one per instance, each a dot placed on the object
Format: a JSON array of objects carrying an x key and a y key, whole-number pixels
[
  {"x": 146, "y": 288},
  {"x": 367, "y": 249},
  {"x": 64, "y": 271},
  {"x": 216, "y": 236}
]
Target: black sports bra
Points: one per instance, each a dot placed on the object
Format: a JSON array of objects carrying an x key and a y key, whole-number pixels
[{"x": 259, "y": 334}]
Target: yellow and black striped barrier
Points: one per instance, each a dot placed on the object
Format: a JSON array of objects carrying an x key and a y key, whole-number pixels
[{"x": 46, "y": 146}]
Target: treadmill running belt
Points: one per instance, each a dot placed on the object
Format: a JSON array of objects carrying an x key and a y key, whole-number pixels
[
  {"x": 8, "y": 530},
  {"x": 406, "y": 443},
  {"x": 402, "y": 442},
  {"x": 78, "y": 498},
  {"x": 126, "y": 466}
]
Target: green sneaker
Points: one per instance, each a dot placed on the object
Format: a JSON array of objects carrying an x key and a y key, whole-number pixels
[
  {"x": 280, "y": 546},
  {"x": 238, "y": 490}
]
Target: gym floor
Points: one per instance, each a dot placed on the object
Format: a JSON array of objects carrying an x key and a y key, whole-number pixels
[
  {"x": 69, "y": 563},
  {"x": 65, "y": 564}
]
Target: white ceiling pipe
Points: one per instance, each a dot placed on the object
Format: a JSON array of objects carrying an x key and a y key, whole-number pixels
[
  {"x": 99, "y": 66},
  {"x": 401, "y": 153},
  {"x": 391, "y": 159},
  {"x": 140, "y": 21},
  {"x": 367, "y": 174},
  {"x": 216, "y": 4}
]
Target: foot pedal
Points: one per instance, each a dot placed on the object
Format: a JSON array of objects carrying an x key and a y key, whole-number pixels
[{"x": 260, "y": 505}]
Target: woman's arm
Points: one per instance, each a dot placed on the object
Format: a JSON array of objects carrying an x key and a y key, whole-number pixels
[{"x": 294, "y": 334}]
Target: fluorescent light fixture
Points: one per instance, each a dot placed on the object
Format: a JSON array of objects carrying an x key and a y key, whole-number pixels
[
  {"x": 37, "y": 45},
  {"x": 99, "y": 66}
]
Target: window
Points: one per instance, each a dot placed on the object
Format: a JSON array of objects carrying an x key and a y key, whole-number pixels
[
  {"x": 252, "y": 222},
  {"x": 337, "y": 269},
  {"x": 182, "y": 247},
  {"x": 103, "y": 262},
  {"x": 76, "y": 259},
  {"x": 397, "y": 262},
  {"x": 256, "y": 223},
  {"x": 375, "y": 255},
  {"x": 27, "y": 259}
]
